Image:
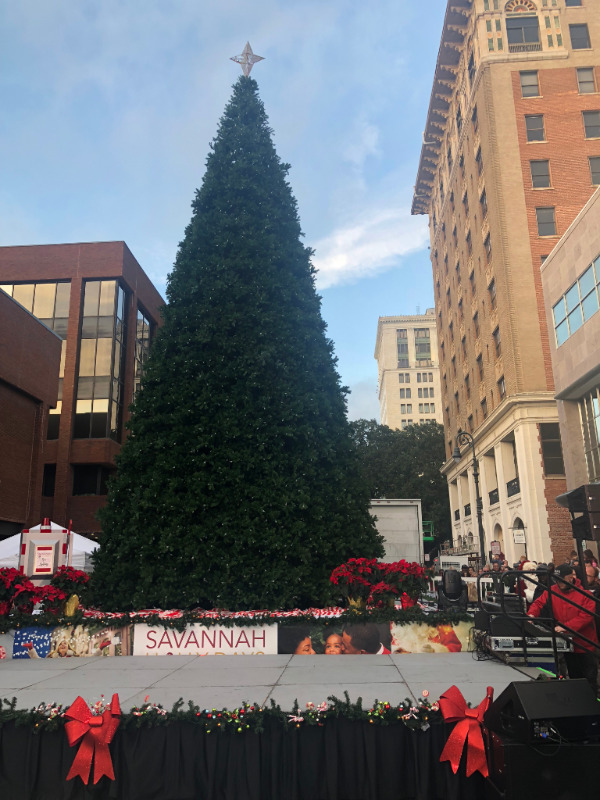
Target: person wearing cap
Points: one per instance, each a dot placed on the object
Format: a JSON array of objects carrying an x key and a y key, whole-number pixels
[{"x": 581, "y": 663}]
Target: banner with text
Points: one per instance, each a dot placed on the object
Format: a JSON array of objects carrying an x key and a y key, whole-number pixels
[{"x": 203, "y": 640}]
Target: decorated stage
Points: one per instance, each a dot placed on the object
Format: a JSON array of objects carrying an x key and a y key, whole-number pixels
[{"x": 288, "y": 752}]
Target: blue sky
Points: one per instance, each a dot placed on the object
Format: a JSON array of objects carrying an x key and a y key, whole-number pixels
[{"x": 108, "y": 109}]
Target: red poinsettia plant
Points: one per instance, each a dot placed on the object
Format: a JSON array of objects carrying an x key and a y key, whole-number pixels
[
  {"x": 405, "y": 576},
  {"x": 17, "y": 593},
  {"x": 380, "y": 583},
  {"x": 65, "y": 582},
  {"x": 355, "y": 578}
]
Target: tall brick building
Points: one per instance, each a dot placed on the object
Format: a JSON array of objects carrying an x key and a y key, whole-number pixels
[
  {"x": 104, "y": 308},
  {"x": 511, "y": 154},
  {"x": 29, "y": 364}
]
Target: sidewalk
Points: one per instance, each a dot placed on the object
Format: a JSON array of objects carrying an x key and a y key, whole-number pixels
[{"x": 227, "y": 681}]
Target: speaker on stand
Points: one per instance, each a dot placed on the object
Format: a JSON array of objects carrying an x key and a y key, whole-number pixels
[{"x": 543, "y": 741}]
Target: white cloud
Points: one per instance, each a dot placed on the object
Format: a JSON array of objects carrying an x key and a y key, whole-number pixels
[
  {"x": 370, "y": 245},
  {"x": 365, "y": 143}
]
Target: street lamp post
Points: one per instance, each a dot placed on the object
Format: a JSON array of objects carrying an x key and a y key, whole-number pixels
[{"x": 466, "y": 438}]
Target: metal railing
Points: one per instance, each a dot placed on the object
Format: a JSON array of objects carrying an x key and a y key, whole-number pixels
[
  {"x": 513, "y": 487},
  {"x": 548, "y": 621},
  {"x": 530, "y": 47}
]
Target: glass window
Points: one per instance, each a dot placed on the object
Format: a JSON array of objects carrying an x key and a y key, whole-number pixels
[
  {"x": 595, "y": 170},
  {"x": 63, "y": 296},
  {"x": 99, "y": 418},
  {"x": 107, "y": 299},
  {"x": 23, "y": 294},
  {"x": 43, "y": 303},
  {"x": 580, "y": 37},
  {"x": 91, "y": 298},
  {"x": 54, "y": 421},
  {"x": 89, "y": 479},
  {"x": 479, "y": 161},
  {"x": 551, "y": 448},
  {"x": 572, "y": 297},
  {"x": 104, "y": 357},
  {"x": 591, "y": 124},
  {"x": 559, "y": 311},
  {"x": 101, "y": 352},
  {"x": 488, "y": 247},
  {"x": 562, "y": 333},
  {"x": 49, "y": 480},
  {"x": 575, "y": 320},
  {"x": 497, "y": 342},
  {"x": 589, "y": 305},
  {"x": 534, "y": 126},
  {"x": 569, "y": 3},
  {"x": 546, "y": 222},
  {"x": 540, "y": 174},
  {"x": 522, "y": 30},
  {"x": 589, "y": 407},
  {"x": 492, "y": 291},
  {"x": 585, "y": 80},
  {"x": 529, "y": 83},
  {"x": 587, "y": 282},
  {"x": 87, "y": 357},
  {"x": 483, "y": 204}
]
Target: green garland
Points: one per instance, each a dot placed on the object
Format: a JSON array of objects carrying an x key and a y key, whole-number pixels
[
  {"x": 377, "y": 615},
  {"x": 249, "y": 717}
]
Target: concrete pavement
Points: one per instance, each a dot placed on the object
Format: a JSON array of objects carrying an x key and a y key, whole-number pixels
[{"x": 227, "y": 681}]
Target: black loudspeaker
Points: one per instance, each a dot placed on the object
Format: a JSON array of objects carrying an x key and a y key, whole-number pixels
[
  {"x": 545, "y": 711},
  {"x": 528, "y": 772}
]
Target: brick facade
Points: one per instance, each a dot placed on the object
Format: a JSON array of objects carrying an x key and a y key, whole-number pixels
[
  {"x": 29, "y": 362},
  {"x": 77, "y": 263},
  {"x": 475, "y": 183}
]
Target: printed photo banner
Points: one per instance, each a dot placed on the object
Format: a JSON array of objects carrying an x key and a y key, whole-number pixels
[
  {"x": 78, "y": 641},
  {"x": 316, "y": 638}
]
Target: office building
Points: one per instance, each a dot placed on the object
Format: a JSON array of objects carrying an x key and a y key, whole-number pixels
[
  {"x": 510, "y": 155},
  {"x": 104, "y": 308},
  {"x": 409, "y": 376},
  {"x": 29, "y": 364},
  {"x": 571, "y": 278}
]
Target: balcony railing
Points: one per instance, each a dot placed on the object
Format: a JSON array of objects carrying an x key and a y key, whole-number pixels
[
  {"x": 468, "y": 510},
  {"x": 457, "y": 514},
  {"x": 530, "y": 47},
  {"x": 513, "y": 487},
  {"x": 494, "y": 497}
]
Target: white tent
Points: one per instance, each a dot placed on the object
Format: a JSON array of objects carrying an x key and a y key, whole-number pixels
[{"x": 82, "y": 549}]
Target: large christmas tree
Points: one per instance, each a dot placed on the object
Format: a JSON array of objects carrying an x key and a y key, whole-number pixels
[{"x": 239, "y": 484}]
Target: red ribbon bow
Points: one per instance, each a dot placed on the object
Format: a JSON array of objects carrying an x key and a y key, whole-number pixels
[
  {"x": 467, "y": 729},
  {"x": 95, "y": 734}
]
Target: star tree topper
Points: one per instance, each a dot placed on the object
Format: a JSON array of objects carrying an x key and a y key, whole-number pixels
[{"x": 247, "y": 59}]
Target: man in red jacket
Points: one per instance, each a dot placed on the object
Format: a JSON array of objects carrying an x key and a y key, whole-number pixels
[{"x": 582, "y": 662}]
